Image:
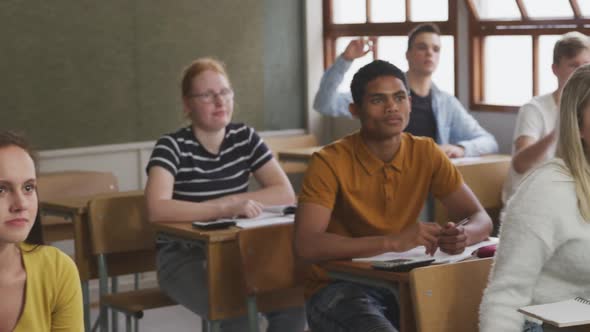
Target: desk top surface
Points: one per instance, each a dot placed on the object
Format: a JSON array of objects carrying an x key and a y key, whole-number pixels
[
  {"x": 306, "y": 153},
  {"x": 298, "y": 153},
  {"x": 186, "y": 230},
  {"x": 79, "y": 204},
  {"x": 364, "y": 269}
]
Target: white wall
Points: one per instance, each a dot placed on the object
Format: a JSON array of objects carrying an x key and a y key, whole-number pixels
[{"x": 127, "y": 161}]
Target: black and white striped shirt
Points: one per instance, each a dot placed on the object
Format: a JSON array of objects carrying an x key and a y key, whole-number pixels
[{"x": 200, "y": 175}]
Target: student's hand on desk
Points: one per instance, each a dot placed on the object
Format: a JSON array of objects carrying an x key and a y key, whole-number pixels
[
  {"x": 245, "y": 208},
  {"x": 418, "y": 234},
  {"x": 452, "y": 239},
  {"x": 453, "y": 151}
]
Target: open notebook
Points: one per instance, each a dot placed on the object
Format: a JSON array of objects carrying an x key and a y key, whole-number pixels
[
  {"x": 440, "y": 257},
  {"x": 271, "y": 215},
  {"x": 561, "y": 314}
]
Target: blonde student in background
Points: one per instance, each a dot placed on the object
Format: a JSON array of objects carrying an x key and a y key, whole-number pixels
[
  {"x": 201, "y": 172},
  {"x": 535, "y": 134},
  {"x": 545, "y": 237},
  {"x": 39, "y": 285}
]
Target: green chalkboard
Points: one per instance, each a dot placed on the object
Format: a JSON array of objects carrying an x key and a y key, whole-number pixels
[{"x": 80, "y": 73}]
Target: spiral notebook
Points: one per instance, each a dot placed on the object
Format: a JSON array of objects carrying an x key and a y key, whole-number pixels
[{"x": 561, "y": 314}]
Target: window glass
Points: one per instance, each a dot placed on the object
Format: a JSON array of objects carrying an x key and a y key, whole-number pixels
[
  {"x": 584, "y": 7},
  {"x": 393, "y": 49},
  {"x": 508, "y": 72},
  {"x": 548, "y": 8},
  {"x": 349, "y": 11},
  {"x": 341, "y": 44},
  {"x": 497, "y": 9},
  {"x": 444, "y": 76},
  {"x": 429, "y": 10},
  {"x": 388, "y": 10},
  {"x": 547, "y": 80}
]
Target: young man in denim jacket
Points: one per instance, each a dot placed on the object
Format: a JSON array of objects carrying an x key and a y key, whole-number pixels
[{"x": 435, "y": 113}]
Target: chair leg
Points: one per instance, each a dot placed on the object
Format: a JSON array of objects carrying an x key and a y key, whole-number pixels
[
  {"x": 252, "y": 314},
  {"x": 127, "y": 323},
  {"x": 114, "y": 314},
  {"x": 136, "y": 324},
  {"x": 214, "y": 326},
  {"x": 86, "y": 304}
]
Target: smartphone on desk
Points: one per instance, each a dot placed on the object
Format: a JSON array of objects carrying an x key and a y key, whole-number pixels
[
  {"x": 215, "y": 224},
  {"x": 401, "y": 264}
]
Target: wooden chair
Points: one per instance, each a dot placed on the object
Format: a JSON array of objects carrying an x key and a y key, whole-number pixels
[
  {"x": 486, "y": 180},
  {"x": 446, "y": 297},
  {"x": 119, "y": 226},
  {"x": 70, "y": 184},
  {"x": 279, "y": 143},
  {"x": 270, "y": 269}
]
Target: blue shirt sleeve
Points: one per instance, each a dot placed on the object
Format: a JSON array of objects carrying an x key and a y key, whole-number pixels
[{"x": 328, "y": 101}]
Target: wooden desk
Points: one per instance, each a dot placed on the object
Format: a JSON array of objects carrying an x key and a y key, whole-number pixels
[
  {"x": 76, "y": 210},
  {"x": 72, "y": 183},
  {"x": 485, "y": 176},
  {"x": 396, "y": 282},
  {"x": 227, "y": 291},
  {"x": 297, "y": 154}
]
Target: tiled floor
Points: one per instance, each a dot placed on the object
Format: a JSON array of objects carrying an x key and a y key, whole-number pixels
[{"x": 170, "y": 319}]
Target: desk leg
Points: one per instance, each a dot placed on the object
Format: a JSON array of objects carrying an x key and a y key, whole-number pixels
[
  {"x": 86, "y": 305},
  {"x": 407, "y": 323}
]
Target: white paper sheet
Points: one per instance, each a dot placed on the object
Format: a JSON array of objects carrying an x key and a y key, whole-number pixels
[
  {"x": 440, "y": 257},
  {"x": 264, "y": 219}
]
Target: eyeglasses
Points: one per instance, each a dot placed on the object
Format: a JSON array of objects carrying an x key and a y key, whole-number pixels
[{"x": 209, "y": 96}]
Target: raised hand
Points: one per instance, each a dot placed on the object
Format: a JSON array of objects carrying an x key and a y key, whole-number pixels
[{"x": 358, "y": 48}]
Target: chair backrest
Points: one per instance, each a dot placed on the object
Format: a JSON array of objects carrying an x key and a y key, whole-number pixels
[
  {"x": 279, "y": 143},
  {"x": 75, "y": 183},
  {"x": 486, "y": 180},
  {"x": 268, "y": 261},
  {"x": 64, "y": 184},
  {"x": 119, "y": 224},
  {"x": 446, "y": 297}
]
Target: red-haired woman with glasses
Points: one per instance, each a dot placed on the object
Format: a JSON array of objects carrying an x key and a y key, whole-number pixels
[{"x": 201, "y": 172}]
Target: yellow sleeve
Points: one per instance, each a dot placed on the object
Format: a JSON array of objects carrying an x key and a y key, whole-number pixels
[
  {"x": 320, "y": 183},
  {"x": 67, "y": 314}
]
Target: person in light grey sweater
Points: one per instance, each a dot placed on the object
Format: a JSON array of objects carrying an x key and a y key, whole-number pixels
[{"x": 545, "y": 236}]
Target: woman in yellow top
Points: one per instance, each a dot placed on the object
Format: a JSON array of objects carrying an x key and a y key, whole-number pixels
[{"x": 40, "y": 285}]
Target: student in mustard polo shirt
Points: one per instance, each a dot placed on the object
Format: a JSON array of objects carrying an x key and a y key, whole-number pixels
[{"x": 361, "y": 196}]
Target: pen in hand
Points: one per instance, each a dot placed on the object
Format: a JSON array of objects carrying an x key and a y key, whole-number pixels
[{"x": 462, "y": 222}]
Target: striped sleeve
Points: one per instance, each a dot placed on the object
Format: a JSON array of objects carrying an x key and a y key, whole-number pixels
[
  {"x": 260, "y": 154},
  {"x": 166, "y": 154}
]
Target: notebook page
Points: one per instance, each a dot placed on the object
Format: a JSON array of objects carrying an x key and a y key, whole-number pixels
[
  {"x": 264, "y": 219},
  {"x": 561, "y": 314},
  {"x": 439, "y": 257}
]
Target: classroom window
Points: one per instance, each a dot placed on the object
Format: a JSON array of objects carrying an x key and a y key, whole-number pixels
[
  {"x": 389, "y": 22},
  {"x": 511, "y": 48}
]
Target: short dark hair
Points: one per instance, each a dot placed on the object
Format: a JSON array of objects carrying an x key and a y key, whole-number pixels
[
  {"x": 12, "y": 138},
  {"x": 373, "y": 70},
  {"x": 422, "y": 28},
  {"x": 569, "y": 46}
]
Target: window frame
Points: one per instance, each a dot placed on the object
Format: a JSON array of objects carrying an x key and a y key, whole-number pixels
[
  {"x": 332, "y": 31},
  {"x": 481, "y": 28}
]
